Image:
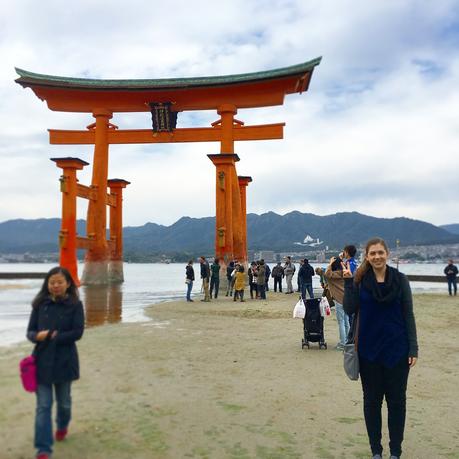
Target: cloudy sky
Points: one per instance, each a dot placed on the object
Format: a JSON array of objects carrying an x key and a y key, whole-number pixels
[{"x": 377, "y": 132}]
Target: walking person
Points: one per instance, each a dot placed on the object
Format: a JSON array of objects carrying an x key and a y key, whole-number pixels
[
  {"x": 252, "y": 273},
  {"x": 335, "y": 283},
  {"x": 205, "y": 275},
  {"x": 239, "y": 284},
  {"x": 451, "y": 276},
  {"x": 386, "y": 339},
  {"x": 215, "y": 277},
  {"x": 278, "y": 274},
  {"x": 56, "y": 323},
  {"x": 289, "y": 270},
  {"x": 305, "y": 274},
  {"x": 189, "y": 279},
  {"x": 261, "y": 280}
]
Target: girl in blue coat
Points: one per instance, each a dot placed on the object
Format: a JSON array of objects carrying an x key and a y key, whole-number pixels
[{"x": 56, "y": 323}]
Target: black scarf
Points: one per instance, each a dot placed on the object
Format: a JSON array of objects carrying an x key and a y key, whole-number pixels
[{"x": 392, "y": 285}]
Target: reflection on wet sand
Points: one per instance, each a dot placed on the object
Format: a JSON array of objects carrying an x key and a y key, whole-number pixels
[{"x": 103, "y": 303}]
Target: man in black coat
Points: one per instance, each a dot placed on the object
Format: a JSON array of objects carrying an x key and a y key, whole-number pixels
[
  {"x": 305, "y": 279},
  {"x": 451, "y": 276}
]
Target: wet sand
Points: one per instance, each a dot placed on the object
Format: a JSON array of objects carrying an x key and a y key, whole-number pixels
[{"x": 230, "y": 380}]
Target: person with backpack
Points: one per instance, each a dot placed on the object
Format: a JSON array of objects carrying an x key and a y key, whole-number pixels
[
  {"x": 56, "y": 323},
  {"x": 278, "y": 274},
  {"x": 386, "y": 341}
]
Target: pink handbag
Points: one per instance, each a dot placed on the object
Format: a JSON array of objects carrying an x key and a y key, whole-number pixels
[{"x": 28, "y": 372}]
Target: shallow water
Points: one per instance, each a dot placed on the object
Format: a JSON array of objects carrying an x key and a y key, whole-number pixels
[{"x": 145, "y": 284}]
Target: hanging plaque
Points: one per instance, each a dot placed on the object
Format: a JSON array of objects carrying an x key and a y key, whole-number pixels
[{"x": 163, "y": 118}]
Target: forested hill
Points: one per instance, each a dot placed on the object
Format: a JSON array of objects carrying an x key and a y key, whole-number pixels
[{"x": 291, "y": 232}]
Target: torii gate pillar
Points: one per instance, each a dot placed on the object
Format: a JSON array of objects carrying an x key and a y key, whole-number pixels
[
  {"x": 97, "y": 256},
  {"x": 243, "y": 183},
  {"x": 115, "y": 268}
]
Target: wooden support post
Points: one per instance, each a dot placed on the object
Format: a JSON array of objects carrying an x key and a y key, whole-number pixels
[
  {"x": 96, "y": 260},
  {"x": 243, "y": 183},
  {"x": 224, "y": 164},
  {"x": 115, "y": 268},
  {"x": 68, "y": 234}
]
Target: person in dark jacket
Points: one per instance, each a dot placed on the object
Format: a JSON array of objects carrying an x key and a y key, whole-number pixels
[
  {"x": 451, "y": 276},
  {"x": 56, "y": 323},
  {"x": 215, "y": 277},
  {"x": 386, "y": 341},
  {"x": 305, "y": 274},
  {"x": 229, "y": 278},
  {"x": 278, "y": 274},
  {"x": 205, "y": 276},
  {"x": 189, "y": 279},
  {"x": 261, "y": 280}
]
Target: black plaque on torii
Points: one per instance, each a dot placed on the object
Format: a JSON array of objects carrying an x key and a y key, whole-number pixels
[{"x": 162, "y": 117}]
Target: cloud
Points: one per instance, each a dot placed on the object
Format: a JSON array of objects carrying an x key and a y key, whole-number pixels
[{"x": 377, "y": 132}]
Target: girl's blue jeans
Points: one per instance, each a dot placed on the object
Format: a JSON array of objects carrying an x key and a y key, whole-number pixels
[{"x": 43, "y": 421}]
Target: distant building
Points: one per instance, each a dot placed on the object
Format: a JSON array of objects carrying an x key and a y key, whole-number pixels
[{"x": 268, "y": 255}]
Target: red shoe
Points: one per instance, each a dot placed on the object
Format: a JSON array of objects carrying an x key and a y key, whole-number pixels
[
  {"x": 43, "y": 456},
  {"x": 60, "y": 435}
]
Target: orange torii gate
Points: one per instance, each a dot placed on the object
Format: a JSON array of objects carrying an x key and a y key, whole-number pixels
[{"x": 164, "y": 98}]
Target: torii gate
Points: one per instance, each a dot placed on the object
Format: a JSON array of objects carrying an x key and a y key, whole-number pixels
[{"x": 164, "y": 98}]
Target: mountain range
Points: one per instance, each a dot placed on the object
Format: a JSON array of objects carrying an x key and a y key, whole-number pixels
[{"x": 268, "y": 231}]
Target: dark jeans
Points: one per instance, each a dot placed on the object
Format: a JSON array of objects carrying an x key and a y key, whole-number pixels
[
  {"x": 306, "y": 287},
  {"x": 253, "y": 289},
  {"x": 261, "y": 291},
  {"x": 238, "y": 294},
  {"x": 43, "y": 422},
  {"x": 278, "y": 282},
  {"x": 214, "y": 284},
  {"x": 379, "y": 382},
  {"x": 452, "y": 285}
]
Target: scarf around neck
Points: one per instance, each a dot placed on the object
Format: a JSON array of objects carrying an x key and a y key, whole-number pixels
[{"x": 392, "y": 285}]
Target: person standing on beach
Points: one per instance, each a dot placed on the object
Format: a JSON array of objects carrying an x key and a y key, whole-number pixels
[
  {"x": 56, "y": 323},
  {"x": 385, "y": 339},
  {"x": 451, "y": 276},
  {"x": 289, "y": 270},
  {"x": 252, "y": 273},
  {"x": 261, "y": 279},
  {"x": 349, "y": 255},
  {"x": 278, "y": 274},
  {"x": 205, "y": 275},
  {"x": 229, "y": 278},
  {"x": 267, "y": 274},
  {"x": 215, "y": 277},
  {"x": 239, "y": 284},
  {"x": 335, "y": 283},
  {"x": 305, "y": 274},
  {"x": 189, "y": 279}
]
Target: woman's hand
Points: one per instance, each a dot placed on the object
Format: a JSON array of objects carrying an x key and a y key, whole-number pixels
[
  {"x": 412, "y": 361},
  {"x": 42, "y": 335}
]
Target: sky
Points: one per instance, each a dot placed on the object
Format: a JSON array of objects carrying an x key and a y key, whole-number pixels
[{"x": 377, "y": 132}]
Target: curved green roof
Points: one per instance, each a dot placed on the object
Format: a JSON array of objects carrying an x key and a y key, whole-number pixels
[{"x": 27, "y": 78}]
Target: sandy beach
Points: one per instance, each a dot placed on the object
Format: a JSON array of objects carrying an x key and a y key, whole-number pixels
[{"x": 230, "y": 380}]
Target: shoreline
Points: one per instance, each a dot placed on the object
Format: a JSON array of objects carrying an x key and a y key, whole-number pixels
[{"x": 229, "y": 380}]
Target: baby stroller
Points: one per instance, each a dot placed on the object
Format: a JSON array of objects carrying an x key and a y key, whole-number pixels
[{"x": 313, "y": 324}]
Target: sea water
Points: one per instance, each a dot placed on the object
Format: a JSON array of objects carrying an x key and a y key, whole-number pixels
[{"x": 145, "y": 284}]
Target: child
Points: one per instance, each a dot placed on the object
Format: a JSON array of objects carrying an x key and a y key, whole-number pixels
[
  {"x": 56, "y": 322},
  {"x": 239, "y": 283}
]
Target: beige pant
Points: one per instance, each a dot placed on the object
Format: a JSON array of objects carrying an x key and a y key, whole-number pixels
[{"x": 205, "y": 286}]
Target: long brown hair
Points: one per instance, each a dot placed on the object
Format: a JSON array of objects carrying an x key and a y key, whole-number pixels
[
  {"x": 72, "y": 290},
  {"x": 365, "y": 266}
]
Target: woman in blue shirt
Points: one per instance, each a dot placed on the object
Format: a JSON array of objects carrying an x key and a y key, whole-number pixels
[{"x": 386, "y": 338}]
